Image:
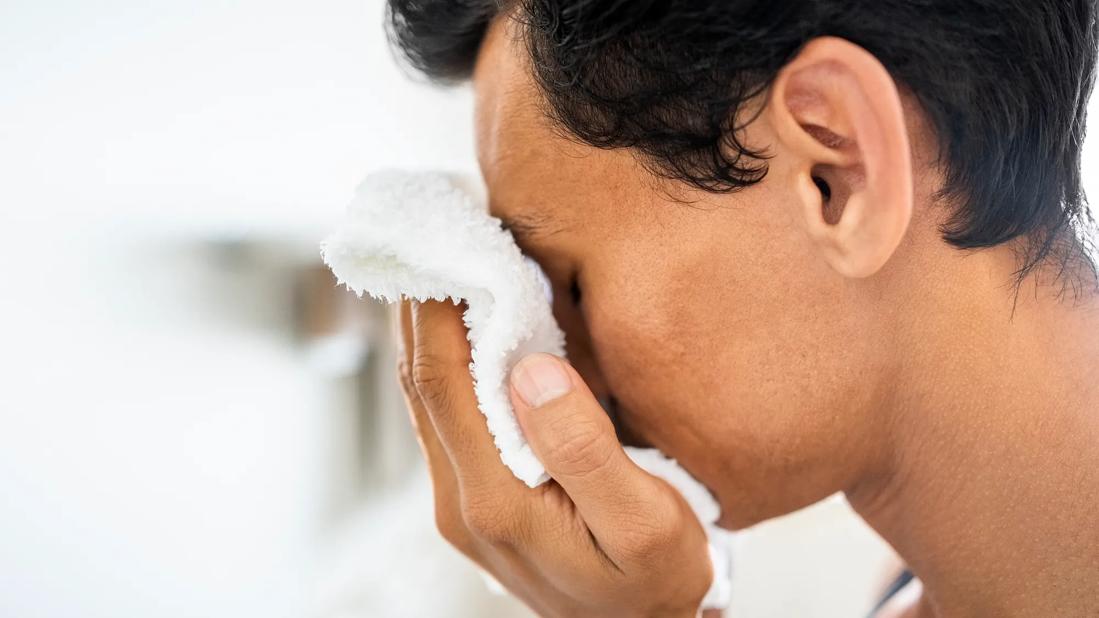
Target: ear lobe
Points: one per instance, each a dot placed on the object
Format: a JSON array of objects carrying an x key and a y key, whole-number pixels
[{"x": 838, "y": 114}]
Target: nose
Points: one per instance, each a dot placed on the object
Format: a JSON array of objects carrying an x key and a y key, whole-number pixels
[
  {"x": 582, "y": 357},
  {"x": 579, "y": 347}
]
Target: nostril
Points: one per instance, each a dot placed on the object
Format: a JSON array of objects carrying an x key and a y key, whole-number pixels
[
  {"x": 614, "y": 411},
  {"x": 610, "y": 406},
  {"x": 606, "y": 404}
]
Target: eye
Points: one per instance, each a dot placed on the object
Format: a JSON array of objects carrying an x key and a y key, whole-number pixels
[{"x": 574, "y": 291}]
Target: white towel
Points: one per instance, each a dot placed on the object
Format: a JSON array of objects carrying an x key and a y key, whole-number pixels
[{"x": 420, "y": 236}]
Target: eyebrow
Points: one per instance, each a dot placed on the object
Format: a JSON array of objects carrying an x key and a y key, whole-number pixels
[{"x": 526, "y": 227}]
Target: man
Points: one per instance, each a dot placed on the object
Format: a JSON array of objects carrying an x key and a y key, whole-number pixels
[{"x": 802, "y": 247}]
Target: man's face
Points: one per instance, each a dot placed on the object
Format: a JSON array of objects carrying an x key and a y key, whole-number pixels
[{"x": 724, "y": 339}]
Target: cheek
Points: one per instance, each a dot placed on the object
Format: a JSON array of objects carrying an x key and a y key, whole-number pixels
[
  {"x": 659, "y": 346},
  {"x": 730, "y": 368}
]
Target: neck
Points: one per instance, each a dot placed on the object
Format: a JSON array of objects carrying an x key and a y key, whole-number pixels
[{"x": 990, "y": 488}]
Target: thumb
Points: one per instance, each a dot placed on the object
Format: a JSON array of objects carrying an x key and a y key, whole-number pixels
[{"x": 575, "y": 440}]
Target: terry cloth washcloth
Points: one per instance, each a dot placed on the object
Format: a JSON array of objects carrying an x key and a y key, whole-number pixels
[{"x": 419, "y": 236}]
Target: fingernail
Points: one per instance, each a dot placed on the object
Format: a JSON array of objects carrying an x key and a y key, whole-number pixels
[{"x": 539, "y": 379}]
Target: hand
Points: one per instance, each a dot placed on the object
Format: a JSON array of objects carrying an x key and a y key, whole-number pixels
[{"x": 602, "y": 538}]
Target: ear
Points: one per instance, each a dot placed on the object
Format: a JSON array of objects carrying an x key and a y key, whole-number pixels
[{"x": 837, "y": 113}]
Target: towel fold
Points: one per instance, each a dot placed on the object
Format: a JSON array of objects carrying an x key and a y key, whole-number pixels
[{"x": 419, "y": 236}]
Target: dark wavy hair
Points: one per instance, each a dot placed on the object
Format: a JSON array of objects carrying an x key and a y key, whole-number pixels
[{"x": 1004, "y": 83}]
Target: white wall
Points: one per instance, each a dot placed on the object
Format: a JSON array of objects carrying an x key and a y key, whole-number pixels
[{"x": 165, "y": 450}]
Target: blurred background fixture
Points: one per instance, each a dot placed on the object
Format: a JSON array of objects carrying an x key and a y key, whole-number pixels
[{"x": 194, "y": 421}]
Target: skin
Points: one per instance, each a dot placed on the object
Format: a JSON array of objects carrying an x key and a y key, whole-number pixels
[{"x": 782, "y": 346}]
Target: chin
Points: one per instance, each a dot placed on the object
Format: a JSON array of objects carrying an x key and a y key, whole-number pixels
[
  {"x": 738, "y": 513},
  {"x": 734, "y": 519}
]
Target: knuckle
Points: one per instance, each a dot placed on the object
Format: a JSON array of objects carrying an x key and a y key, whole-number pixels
[
  {"x": 429, "y": 378},
  {"x": 404, "y": 374},
  {"x": 451, "y": 528},
  {"x": 447, "y": 525},
  {"x": 581, "y": 447},
  {"x": 652, "y": 533},
  {"x": 490, "y": 521}
]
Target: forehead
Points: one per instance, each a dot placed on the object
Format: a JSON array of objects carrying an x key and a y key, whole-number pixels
[
  {"x": 518, "y": 150},
  {"x": 533, "y": 171},
  {"x": 510, "y": 129}
]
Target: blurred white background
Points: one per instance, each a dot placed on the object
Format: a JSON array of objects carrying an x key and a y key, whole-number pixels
[{"x": 191, "y": 421}]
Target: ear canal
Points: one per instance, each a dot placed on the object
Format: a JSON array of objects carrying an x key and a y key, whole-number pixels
[{"x": 831, "y": 210}]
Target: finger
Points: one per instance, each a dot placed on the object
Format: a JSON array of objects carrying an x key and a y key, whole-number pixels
[
  {"x": 448, "y": 515},
  {"x": 434, "y": 452},
  {"x": 441, "y": 373},
  {"x": 624, "y": 507}
]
